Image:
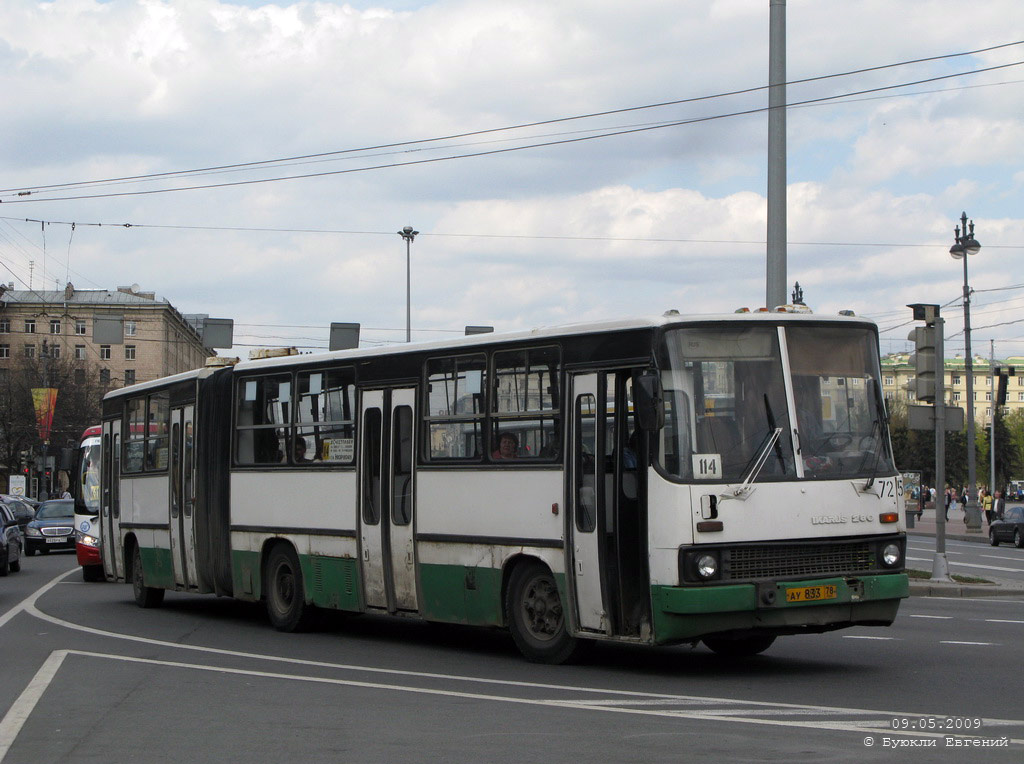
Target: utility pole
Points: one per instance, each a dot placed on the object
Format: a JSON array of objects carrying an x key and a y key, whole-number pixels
[
  {"x": 995, "y": 407},
  {"x": 775, "y": 276}
]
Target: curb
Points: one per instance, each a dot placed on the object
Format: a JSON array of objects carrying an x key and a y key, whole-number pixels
[{"x": 937, "y": 589}]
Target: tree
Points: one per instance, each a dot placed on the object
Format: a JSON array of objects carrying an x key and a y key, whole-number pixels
[{"x": 78, "y": 405}]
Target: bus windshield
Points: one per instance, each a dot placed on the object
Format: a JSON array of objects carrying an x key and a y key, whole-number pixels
[
  {"x": 89, "y": 474},
  {"x": 727, "y": 412}
]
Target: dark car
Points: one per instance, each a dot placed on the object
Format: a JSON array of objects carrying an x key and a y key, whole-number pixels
[
  {"x": 1010, "y": 528},
  {"x": 53, "y": 527},
  {"x": 11, "y": 541},
  {"x": 23, "y": 512}
]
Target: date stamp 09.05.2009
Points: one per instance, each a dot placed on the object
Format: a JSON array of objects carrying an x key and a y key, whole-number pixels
[{"x": 945, "y": 732}]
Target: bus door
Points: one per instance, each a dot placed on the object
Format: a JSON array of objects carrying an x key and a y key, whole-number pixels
[
  {"x": 182, "y": 498},
  {"x": 607, "y": 526},
  {"x": 110, "y": 522},
  {"x": 586, "y": 522},
  {"x": 387, "y": 498}
]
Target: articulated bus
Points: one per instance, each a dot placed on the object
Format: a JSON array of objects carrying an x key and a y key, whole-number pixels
[{"x": 722, "y": 479}]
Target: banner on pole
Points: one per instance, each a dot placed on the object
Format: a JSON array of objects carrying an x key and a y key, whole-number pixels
[{"x": 44, "y": 400}]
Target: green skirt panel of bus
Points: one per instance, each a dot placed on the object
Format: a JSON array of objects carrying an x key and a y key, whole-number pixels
[
  {"x": 329, "y": 582},
  {"x": 791, "y": 607}
]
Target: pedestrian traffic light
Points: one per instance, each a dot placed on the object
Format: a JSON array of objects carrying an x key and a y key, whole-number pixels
[{"x": 924, "y": 362}]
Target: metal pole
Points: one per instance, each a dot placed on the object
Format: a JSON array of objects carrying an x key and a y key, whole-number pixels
[
  {"x": 992, "y": 432},
  {"x": 408, "y": 234},
  {"x": 775, "y": 281},
  {"x": 971, "y": 505},
  {"x": 940, "y": 566}
]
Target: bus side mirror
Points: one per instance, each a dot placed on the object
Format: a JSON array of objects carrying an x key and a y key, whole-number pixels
[{"x": 649, "y": 400}]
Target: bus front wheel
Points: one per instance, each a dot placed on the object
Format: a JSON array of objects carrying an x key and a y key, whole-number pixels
[
  {"x": 534, "y": 614},
  {"x": 285, "y": 596},
  {"x": 145, "y": 596}
]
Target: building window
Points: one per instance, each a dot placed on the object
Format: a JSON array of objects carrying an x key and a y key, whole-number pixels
[
  {"x": 30, "y": 351},
  {"x": 5, "y": 352},
  {"x": 54, "y": 326},
  {"x": 890, "y": 380},
  {"x": 1020, "y": 396},
  {"x": 104, "y": 376},
  {"x": 956, "y": 379},
  {"x": 129, "y": 377},
  {"x": 30, "y": 326},
  {"x": 104, "y": 352},
  {"x": 129, "y": 352},
  {"x": 79, "y": 352},
  {"x": 129, "y": 328},
  {"x": 80, "y": 326},
  {"x": 956, "y": 396},
  {"x": 988, "y": 395},
  {"x": 5, "y": 326},
  {"x": 54, "y": 351}
]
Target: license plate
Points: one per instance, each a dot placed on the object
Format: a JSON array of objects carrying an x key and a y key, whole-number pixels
[
  {"x": 812, "y": 593},
  {"x": 57, "y": 539}
]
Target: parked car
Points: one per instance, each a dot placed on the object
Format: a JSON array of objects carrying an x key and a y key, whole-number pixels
[
  {"x": 52, "y": 528},
  {"x": 23, "y": 512},
  {"x": 1010, "y": 528},
  {"x": 12, "y": 541}
]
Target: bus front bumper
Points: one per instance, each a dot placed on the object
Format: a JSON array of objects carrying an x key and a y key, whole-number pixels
[{"x": 686, "y": 613}]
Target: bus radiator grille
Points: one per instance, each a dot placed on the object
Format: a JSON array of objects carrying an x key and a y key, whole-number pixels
[{"x": 783, "y": 561}]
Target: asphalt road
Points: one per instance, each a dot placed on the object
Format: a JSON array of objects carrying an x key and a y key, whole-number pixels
[
  {"x": 87, "y": 676},
  {"x": 969, "y": 558}
]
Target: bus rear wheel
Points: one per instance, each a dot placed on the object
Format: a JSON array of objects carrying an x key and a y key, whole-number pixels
[
  {"x": 534, "y": 614},
  {"x": 740, "y": 647},
  {"x": 145, "y": 596},
  {"x": 284, "y": 593}
]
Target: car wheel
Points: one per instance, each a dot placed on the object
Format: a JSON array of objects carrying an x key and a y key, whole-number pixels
[
  {"x": 92, "y": 573},
  {"x": 5, "y": 564},
  {"x": 1018, "y": 539},
  {"x": 743, "y": 647},
  {"x": 992, "y": 537},
  {"x": 16, "y": 565},
  {"x": 145, "y": 596},
  {"x": 534, "y": 614}
]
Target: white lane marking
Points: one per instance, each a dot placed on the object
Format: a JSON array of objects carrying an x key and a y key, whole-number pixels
[
  {"x": 972, "y": 565},
  {"x": 858, "y": 636},
  {"x": 953, "y": 642},
  {"x": 30, "y": 600},
  {"x": 1001, "y": 620},
  {"x": 936, "y": 617},
  {"x": 881, "y": 723},
  {"x": 22, "y": 708}
]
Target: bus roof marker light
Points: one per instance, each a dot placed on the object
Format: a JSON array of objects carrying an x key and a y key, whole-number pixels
[{"x": 847, "y": 313}]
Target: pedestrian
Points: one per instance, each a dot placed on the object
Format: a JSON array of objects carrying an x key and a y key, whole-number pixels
[
  {"x": 998, "y": 506},
  {"x": 986, "y": 504},
  {"x": 954, "y": 501}
]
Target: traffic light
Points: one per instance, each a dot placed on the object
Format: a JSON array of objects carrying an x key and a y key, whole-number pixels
[
  {"x": 924, "y": 362},
  {"x": 1004, "y": 378}
]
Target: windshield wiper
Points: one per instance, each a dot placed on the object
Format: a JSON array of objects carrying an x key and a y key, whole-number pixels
[{"x": 747, "y": 487}]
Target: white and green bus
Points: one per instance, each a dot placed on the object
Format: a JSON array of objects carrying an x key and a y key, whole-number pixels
[{"x": 722, "y": 479}]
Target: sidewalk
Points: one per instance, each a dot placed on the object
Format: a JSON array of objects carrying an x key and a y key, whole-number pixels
[{"x": 956, "y": 530}]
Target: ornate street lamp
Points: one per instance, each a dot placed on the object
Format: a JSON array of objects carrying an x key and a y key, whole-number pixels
[{"x": 965, "y": 244}]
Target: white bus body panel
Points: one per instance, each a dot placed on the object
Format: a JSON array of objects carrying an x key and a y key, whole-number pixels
[{"x": 809, "y": 510}]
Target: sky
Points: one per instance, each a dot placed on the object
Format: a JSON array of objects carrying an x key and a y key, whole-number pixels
[{"x": 562, "y": 160}]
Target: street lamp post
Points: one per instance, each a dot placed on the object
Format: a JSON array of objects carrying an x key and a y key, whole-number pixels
[
  {"x": 965, "y": 244},
  {"x": 408, "y": 234}
]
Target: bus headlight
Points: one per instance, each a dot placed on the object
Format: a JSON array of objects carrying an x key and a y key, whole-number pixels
[
  {"x": 707, "y": 566},
  {"x": 86, "y": 540},
  {"x": 891, "y": 555}
]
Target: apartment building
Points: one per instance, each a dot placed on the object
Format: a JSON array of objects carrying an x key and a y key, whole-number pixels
[
  {"x": 128, "y": 335},
  {"x": 897, "y": 373}
]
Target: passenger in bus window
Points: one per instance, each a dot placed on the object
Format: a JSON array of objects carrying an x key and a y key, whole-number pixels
[
  {"x": 300, "y": 450},
  {"x": 508, "y": 447}
]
